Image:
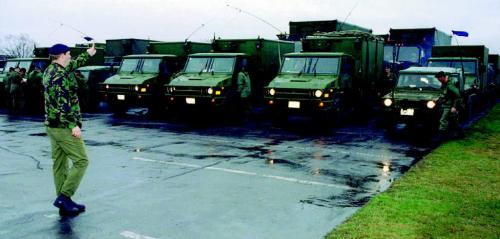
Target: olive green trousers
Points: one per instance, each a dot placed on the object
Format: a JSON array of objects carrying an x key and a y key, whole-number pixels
[
  {"x": 65, "y": 147},
  {"x": 448, "y": 120}
]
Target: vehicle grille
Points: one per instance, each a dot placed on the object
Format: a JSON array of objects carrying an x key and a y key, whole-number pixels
[
  {"x": 120, "y": 89},
  {"x": 405, "y": 104},
  {"x": 189, "y": 91},
  {"x": 293, "y": 93}
]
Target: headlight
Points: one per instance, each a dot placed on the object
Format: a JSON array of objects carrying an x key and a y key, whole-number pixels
[
  {"x": 431, "y": 104},
  {"x": 210, "y": 91},
  {"x": 272, "y": 91},
  {"x": 143, "y": 90},
  {"x": 387, "y": 102},
  {"x": 107, "y": 86},
  {"x": 318, "y": 93},
  {"x": 218, "y": 92},
  {"x": 136, "y": 88}
]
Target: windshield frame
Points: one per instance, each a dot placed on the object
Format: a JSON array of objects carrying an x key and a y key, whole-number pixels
[
  {"x": 455, "y": 64},
  {"x": 418, "y": 81},
  {"x": 308, "y": 63},
  {"x": 406, "y": 51},
  {"x": 138, "y": 60},
  {"x": 156, "y": 66},
  {"x": 208, "y": 64}
]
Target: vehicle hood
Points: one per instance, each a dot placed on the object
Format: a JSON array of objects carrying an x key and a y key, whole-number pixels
[
  {"x": 203, "y": 80},
  {"x": 414, "y": 95},
  {"x": 129, "y": 79},
  {"x": 302, "y": 82}
]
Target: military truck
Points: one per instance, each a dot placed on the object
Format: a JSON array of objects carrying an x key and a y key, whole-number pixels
[
  {"x": 336, "y": 73},
  {"x": 141, "y": 78},
  {"x": 28, "y": 63},
  {"x": 210, "y": 80},
  {"x": 301, "y": 29},
  {"x": 415, "y": 101},
  {"x": 472, "y": 59},
  {"x": 89, "y": 85},
  {"x": 494, "y": 77},
  {"x": 117, "y": 48},
  {"x": 412, "y": 47}
]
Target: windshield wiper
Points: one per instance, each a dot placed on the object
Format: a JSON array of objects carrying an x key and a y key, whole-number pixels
[
  {"x": 303, "y": 68},
  {"x": 300, "y": 73},
  {"x": 204, "y": 67},
  {"x": 314, "y": 66}
]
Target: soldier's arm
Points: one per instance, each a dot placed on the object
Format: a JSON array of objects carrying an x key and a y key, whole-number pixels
[
  {"x": 69, "y": 115},
  {"x": 78, "y": 62}
]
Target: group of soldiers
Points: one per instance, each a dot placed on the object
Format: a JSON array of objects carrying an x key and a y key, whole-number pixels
[{"x": 24, "y": 91}]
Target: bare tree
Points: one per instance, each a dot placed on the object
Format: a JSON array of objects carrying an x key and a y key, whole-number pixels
[{"x": 21, "y": 45}]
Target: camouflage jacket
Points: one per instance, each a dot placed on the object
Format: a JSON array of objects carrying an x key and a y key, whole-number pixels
[
  {"x": 451, "y": 95},
  {"x": 62, "y": 108}
]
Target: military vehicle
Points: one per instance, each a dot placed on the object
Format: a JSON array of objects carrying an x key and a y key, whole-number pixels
[
  {"x": 494, "y": 62},
  {"x": 89, "y": 87},
  {"x": 335, "y": 73},
  {"x": 28, "y": 63},
  {"x": 140, "y": 79},
  {"x": 412, "y": 47},
  {"x": 415, "y": 101},
  {"x": 210, "y": 80},
  {"x": 117, "y": 48},
  {"x": 300, "y": 30},
  {"x": 473, "y": 60},
  {"x": 3, "y": 61}
]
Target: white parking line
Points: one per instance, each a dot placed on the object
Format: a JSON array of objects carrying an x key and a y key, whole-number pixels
[
  {"x": 133, "y": 235},
  {"x": 294, "y": 180}
]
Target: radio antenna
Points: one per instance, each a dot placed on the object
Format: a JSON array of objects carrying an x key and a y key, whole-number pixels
[
  {"x": 262, "y": 20},
  {"x": 349, "y": 14},
  {"x": 82, "y": 34}
]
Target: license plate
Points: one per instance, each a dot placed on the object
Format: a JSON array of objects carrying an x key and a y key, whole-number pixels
[
  {"x": 120, "y": 97},
  {"x": 191, "y": 101},
  {"x": 408, "y": 112},
  {"x": 294, "y": 104}
]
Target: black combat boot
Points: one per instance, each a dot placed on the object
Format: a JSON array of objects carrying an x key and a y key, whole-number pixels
[
  {"x": 66, "y": 206},
  {"x": 80, "y": 207}
]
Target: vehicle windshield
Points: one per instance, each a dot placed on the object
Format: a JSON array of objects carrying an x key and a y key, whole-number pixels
[
  {"x": 310, "y": 65},
  {"x": 210, "y": 64},
  {"x": 129, "y": 65},
  {"x": 388, "y": 53},
  {"x": 151, "y": 65},
  {"x": 418, "y": 81},
  {"x": 86, "y": 74},
  {"x": 408, "y": 53},
  {"x": 9, "y": 65},
  {"x": 25, "y": 64},
  {"x": 469, "y": 66}
]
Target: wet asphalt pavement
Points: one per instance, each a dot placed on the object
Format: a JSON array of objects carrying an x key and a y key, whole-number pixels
[{"x": 156, "y": 179}]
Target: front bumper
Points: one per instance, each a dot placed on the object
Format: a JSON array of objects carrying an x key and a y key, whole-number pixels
[{"x": 300, "y": 106}]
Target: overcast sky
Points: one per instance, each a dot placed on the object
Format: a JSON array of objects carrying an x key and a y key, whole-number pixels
[{"x": 174, "y": 20}]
